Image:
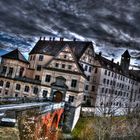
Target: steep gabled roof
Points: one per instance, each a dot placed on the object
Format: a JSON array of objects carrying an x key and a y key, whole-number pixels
[
  {"x": 16, "y": 55},
  {"x": 52, "y": 47},
  {"x": 105, "y": 63},
  {"x": 81, "y": 70},
  {"x": 126, "y": 54}
]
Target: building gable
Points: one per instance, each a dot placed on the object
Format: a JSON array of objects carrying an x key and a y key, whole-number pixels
[
  {"x": 65, "y": 60},
  {"x": 88, "y": 56}
]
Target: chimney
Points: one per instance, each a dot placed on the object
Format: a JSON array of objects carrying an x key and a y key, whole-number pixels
[
  {"x": 74, "y": 39},
  {"x": 40, "y": 38},
  {"x": 61, "y": 38},
  {"x": 53, "y": 38},
  {"x": 112, "y": 60},
  {"x": 50, "y": 39},
  {"x": 100, "y": 53},
  {"x": 43, "y": 38}
]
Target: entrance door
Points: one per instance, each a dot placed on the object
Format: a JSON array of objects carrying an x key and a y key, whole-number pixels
[{"x": 57, "y": 97}]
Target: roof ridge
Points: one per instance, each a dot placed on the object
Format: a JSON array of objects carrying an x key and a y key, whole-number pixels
[{"x": 15, "y": 54}]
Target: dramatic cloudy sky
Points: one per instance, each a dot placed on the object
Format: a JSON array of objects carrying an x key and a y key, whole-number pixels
[{"x": 113, "y": 24}]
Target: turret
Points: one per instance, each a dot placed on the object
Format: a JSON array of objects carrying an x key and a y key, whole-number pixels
[{"x": 125, "y": 61}]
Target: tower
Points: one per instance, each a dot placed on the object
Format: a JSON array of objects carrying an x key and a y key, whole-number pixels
[{"x": 125, "y": 61}]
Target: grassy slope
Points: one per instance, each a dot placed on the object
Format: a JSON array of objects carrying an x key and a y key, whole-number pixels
[{"x": 83, "y": 129}]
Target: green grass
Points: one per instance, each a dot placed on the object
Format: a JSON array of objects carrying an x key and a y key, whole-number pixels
[{"x": 82, "y": 127}]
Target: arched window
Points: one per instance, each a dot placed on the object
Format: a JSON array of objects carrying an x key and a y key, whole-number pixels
[
  {"x": 1, "y": 83},
  {"x": 18, "y": 86},
  {"x": 7, "y": 84},
  {"x": 26, "y": 89}
]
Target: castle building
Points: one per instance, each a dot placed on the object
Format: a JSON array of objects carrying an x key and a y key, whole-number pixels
[
  {"x": 70, "y": 71},
  {"x": 57, "y": 70}
]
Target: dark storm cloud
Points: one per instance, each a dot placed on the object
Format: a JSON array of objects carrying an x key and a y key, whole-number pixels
[{"x": 112, "y": 24}]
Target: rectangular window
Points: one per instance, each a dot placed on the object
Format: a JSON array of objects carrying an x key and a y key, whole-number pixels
[
  {"x": 89, "y": 69},
  {"x": 105, "y": 72},
  {"x": 107, "y": 82},
  {"x": 63, "y": 66},
  {"x": 18, "y": 86},
  {"x": 38, "y": 68},
  {"x": 85, "y": 97},
  {"x": 73, "y": 83},
  {"x": 69, "y": 67},
  {"x": 86, "y": 67},
  {"x": 56, "y": 65},
  {"x": 93, "y": 88},
  {"x": 102, "y": 90},
  {"x": 35, "y": 91},
  {"x": 96, "y": 70},
  {"x": 106, "y": 90},
  {"x": 48, "y": 78},
  {"x": 112, "y": 74},
  {"x": 4, "y": 70},
  {"x": 86, "y": 87},
  {"x": 31, "y": 57},
  {"x": 88, "y": 78},
  {"x": 65, "y": 56},
  {"x": 37, "y": 77},
  {"x": 34, "y": 57},
  {"x": 26, "y": 89},
  {"x": 114, "y": 83},
  {"x": 41, "y": 57},
  {"x": 109, "y": 73},
  {"x": 71, "y": 98},
  {"x": 10, "y": 71},
  {"x": 104, "y": 80},
  {"x": 45, "y": 92}
]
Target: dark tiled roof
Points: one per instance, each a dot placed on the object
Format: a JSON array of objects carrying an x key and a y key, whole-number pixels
[
  {"x": 16, "y": 55},
  {"x": 108, "y": 64},
  {"x": 126, "y": 54},
  {"x": 135, "y": 74},
  {"x": 53, "y": 47}
]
